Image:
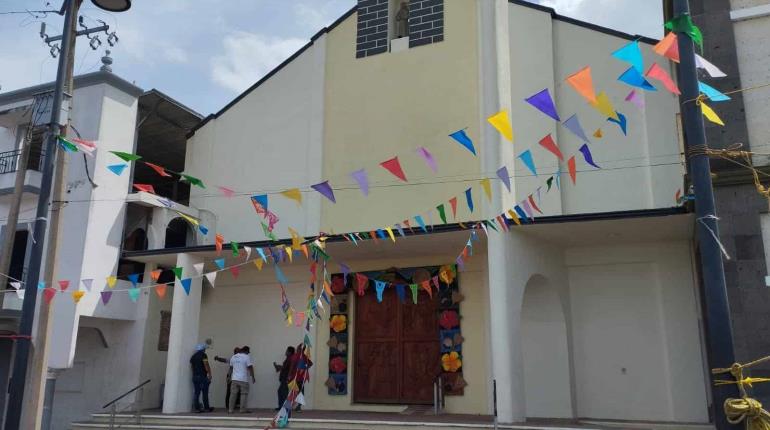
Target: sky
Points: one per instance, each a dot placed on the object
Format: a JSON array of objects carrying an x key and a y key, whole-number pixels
[{"x": 205, "y": 52}]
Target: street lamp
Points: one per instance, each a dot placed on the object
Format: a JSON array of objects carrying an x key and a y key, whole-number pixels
[{"x": 113, "y": 5}]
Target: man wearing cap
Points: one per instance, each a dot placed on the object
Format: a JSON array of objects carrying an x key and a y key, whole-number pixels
[{"x": 201, "y": 373}]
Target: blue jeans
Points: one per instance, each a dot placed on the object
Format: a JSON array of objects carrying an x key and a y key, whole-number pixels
[{"x": 201, "y": 386}]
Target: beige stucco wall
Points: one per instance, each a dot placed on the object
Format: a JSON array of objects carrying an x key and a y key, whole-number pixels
[{"x": 389, "y": 104}]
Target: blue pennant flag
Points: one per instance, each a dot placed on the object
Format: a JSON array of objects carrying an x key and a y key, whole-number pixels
[
  {"x": 280, "y": 276},
  {"x": 380, "y": 288},
  {"x": 134, "y": 278},
  {"x": 203, "y": 229},
  {"x": 587, "y": 155},
  {"x": 631, "y": 53},
  {"x": 712, "y": 93},
  {"x": 463, "y": 140},
  {"x": 421, "y": 223},
  {"x": 220, "y": 262},
  {"x": 621, "y": 122},
  {"x": 117, "y": 168},
  {"x": 526, "y": 158},
  {"x": 521, "y": 213},
  {"x": 469, "y": 199},
  {"x": 634, "y": 78},
  {"x": 401, "y": 291},
  {"x": 186, "y": 283}
]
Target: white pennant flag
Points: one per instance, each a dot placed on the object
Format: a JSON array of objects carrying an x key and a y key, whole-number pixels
[
  {"x": 711, "y": 69},
  {"x": 87, "y": 283},
  {"x": 248, "y": 251},
  {"x": 198, "y": 268},
  {"x": 20, "y": 294},
  {"x": 16, "y": 285},
  {"x": 300, "y": 399},
  {"x": 212, "y": 277}
]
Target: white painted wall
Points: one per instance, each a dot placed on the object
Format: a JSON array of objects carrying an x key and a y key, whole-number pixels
[
  {"x": 636, "y": 337},
  {"x": 639, "y": 171},
  {"x": 270, "y": 141}
]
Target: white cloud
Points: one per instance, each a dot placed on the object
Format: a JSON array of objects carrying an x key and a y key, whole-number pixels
[
  {"x": 174, "y": 54},
  {"x": 316, "y": 15},
  {"x": 248, "y": 56},
  {"x": 630, "y": 16}
]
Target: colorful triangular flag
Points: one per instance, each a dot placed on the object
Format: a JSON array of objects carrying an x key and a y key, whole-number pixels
[
  {"x": 526, "y": 158},
  {"x": 573, "y": 124},
  {"x": 712, "y": 93},
  {"x": 126, "y": 156},
  {"x": 186, "y": 284},
  {"x": 487, "y": 187},
  {"x": 657, "y": 72},
  {"x": 469, "y": 199},
  {"x": 502, "y": 123},
  {"x": 192, "y": 180},
  {"x": 710, "y": 114},
  {"x": 77, "y": 295},
  {"x": 710, "y": 69},
  {"x": 293, "y": 194},
  {"x": 622, "y": 122},
  {"x": 636, "y": 99},
  {"x": 587, "y": 155},
  {"x": 428, "y": 158},
  {"x": 394, "y": 167},
  {"x": 502, "y": 173},
  {"x": 572, "y": 169},
  {"x": 543, "y": 102},
  {"x": 117, "y": 168},
  {"x": 325, "y": 190},
  {"x": 462, "y": 138},
  {"x": 133, "y": 294},
  {"x": 668, "y": 47},
  {"x": 549, "y": 144},
  {"x": 635, "y": 78},
  {"x": 158, "y": 169},
  {"x": 631, "y": 53},
  {"x": 604, "y": 106}
]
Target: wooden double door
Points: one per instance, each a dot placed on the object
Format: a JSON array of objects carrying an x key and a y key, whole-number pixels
[{"x": 397, "y": 349}]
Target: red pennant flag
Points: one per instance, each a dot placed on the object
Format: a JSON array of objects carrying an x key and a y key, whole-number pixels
[
  {"x": 160, "y": 170},
  {"x": 406, "y": 223},
  {"x": 235, "y": 271},
  {"x": 572, "y": 169},
  {"x": 147, "y": 188},
  {"x": 64, "y": 284},
  {"x": 453, "y": 203},
  {"x": 48, "y": 294},
  {"x": 363, "y": 282},
  {"x": 548, "y": 143},
  {"x": 373, "y": 234},
  {"x": 426, "y": 286},
  {"x": 532, "y": 203},
  {"x": 160, "y": 290},
  {"x": 155, "y": 274},
  {"x": 394, "y": 166},
  {"x": 219, "y": 240}
]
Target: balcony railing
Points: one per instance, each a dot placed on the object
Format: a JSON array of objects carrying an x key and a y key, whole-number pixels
[{"x": 9, "y": 160}]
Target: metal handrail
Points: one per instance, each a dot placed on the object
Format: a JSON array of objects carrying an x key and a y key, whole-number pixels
[
  {"x": 9, "y": 160},
  {"x": 127, "y": 393}
]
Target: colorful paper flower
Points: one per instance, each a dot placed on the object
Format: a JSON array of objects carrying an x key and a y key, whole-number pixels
[
  {"x": 449, "y": 320},
  {"x": 339, "y": 323},
  {"x": 446, "y": 274},
  {"x": 337, "y": 365},
  {"x": 451, "y": 362}
]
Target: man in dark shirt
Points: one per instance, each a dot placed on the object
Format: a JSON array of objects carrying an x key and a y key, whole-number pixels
[
  {"x": 283, "y": 376},
  {"x": 201, "y": 373}
]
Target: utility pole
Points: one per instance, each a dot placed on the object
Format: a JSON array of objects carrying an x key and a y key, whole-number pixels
[
  {"x": 23, "y": 344},
  {"x": 719, "y": 336}
]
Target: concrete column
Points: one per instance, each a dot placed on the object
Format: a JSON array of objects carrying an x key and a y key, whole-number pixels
[{"x": 185, "y": 313}]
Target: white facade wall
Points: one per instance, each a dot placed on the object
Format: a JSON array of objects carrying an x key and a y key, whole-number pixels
[
  {"x": 270, "y": 141},
  {"x": 639, "y": 171}
]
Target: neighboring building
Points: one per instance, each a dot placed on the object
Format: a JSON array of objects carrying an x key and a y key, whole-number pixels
[
  {"x": 97, "y": 345},
  {"x": 735, "y": 39},
  {"x": 593, "y": 312}
]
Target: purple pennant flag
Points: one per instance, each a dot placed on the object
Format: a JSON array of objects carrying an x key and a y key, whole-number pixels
[
  {"x": 362, "y": 179},
  {"x": 527, "y": 208},
  {"x": 400, "y": 230},
  {"x": 87, "y": 283},
  {"x": 587, "y": 155},
  {"x": 460, "y": 263},
  {"x": 106, "y": 296},
  {"x": 428, "y": 157},
  {"x": 544, "y": 103},
  {"x": 502, "y": 173},
  {"x": 636, "y": 99},
  {"x": 345, "y": 269},
  {"x": 325, "y": 189},
  {"x": 573, "y": 124}
]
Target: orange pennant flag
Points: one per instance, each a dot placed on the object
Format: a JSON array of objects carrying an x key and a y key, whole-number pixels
[
  {"x": 160, "y": 290},
  {"x": 582, "y": 82},
  {"x": 668, "y": 47},
  {"x": 426, "y": 286},
  {"x": 77, "y": 295},
  {"x": 155, "y": 274},
  {"x": 572, "y": 169},
  {"x": 219, "y": 240},
  {"x": 598, "y": 133}
]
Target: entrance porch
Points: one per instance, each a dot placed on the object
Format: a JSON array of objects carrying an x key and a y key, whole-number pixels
[{"x": 570, "y": 319}]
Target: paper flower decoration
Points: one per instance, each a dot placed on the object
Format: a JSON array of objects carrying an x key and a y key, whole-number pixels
[
  {"x": 337, "y": 365},
  {"x": 451, "y": 362},
  {"x": 449, "y": 320},
  {"x": 339, "y": 323}
]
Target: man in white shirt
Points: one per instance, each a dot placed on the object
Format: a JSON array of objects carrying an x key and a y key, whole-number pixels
[{"x": 240, "y": 369}]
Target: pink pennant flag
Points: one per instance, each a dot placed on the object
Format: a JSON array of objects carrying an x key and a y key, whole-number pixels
[
  {"x": 394, "y": 167},
  {"x": 48, "y": 294},
  {"x": 657, "y": 72},
  {"x": 635, "y": 98},
  {"x": 549, "y": 144},
  {"x": 63, "y": 284},
  {"x": 147, "y": 188},
  {"x": 453, "y": 204},
  {"x": 227, "y": 192},
  {"x": 235, "y": 271},
  {"x": 158, "y": 169},
  {"x": 428, "y": 157}
]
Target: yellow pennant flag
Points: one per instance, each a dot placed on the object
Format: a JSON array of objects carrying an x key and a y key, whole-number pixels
[
  {"x": 487, "y": 188},
  {"x": 390, "y": 233},
  {"x": 289, "y": 253},
  {"x": 598, "y": 133},
  {"x": 111, "y": 280},
  {"x": 189, "y": 219},
  {"x": 710, "y": 114},
  {"x": 502, "y": 123},
  {"x": 604, "y": 105},
  {"x": 77, "y": 295},
  {"x": 258, "y": 262},
  {"x": 514, "y": 217},
  {"x": 296, "y": 241},
  {"x": 294, "y": 194}
]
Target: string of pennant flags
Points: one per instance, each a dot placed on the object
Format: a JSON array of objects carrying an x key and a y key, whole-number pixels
[{"x": 521, "y": 213}]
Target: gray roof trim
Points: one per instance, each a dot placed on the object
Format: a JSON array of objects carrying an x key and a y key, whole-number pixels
[
  {"x": 81, "y": 81},
  {"x": 174, "y": 102}
]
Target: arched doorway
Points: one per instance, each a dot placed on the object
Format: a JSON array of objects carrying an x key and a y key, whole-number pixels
[
  {"x": 545, "y": 351},
  {"x": 178, "y": 234}
]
